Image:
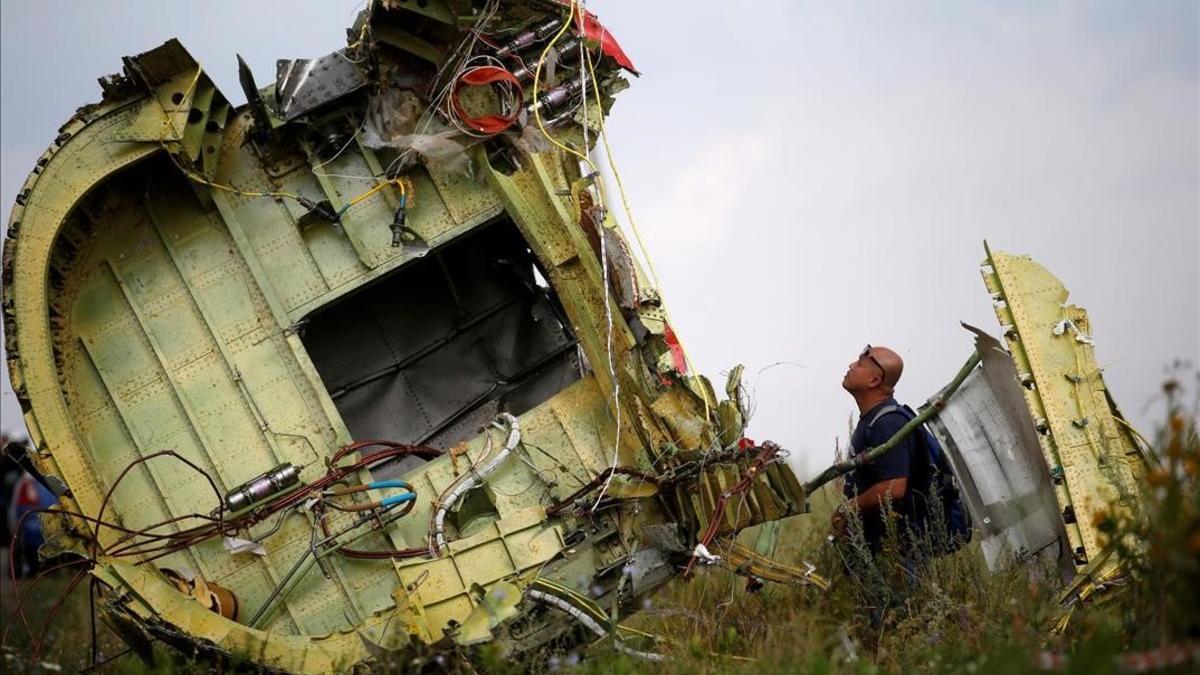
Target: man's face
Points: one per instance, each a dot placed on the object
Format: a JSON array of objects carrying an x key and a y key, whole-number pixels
[{"x": 863, "y": 373}]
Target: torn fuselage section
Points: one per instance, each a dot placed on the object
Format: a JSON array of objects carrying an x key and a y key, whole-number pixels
[
  {"x": 1039, "y": 448},
  {"x": 381, "y": 279}
]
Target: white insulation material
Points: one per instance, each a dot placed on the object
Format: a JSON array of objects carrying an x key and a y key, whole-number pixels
[{"x": 475, "y": 478}]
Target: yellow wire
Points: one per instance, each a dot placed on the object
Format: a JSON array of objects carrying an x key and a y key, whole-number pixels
[
  {"x": 1135, "y": 432},
  {"x": 407, "y": 192},
  {"x": 187, "y": 94},
  {"x": 633, "y": 223},
  {"x": 193, "y": 175},
  {"x": 537, "y": 112},
  {"x": 410, "y": 191},
  {"x": 399, "y": 183},
  {"x": 617, "y": 175},
  {"x": 362, "y": 33},
  {"x": 203, "y": 180},
  {"x": 668, "y": 641}
]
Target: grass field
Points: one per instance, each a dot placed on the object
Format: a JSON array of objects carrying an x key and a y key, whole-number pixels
[{"x": 956, "y": 619}]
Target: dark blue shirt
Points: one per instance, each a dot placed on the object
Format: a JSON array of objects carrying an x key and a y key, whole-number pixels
[{"x": 896, "y": 463}]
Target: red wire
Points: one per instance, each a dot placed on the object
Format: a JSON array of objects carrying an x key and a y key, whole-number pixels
[
  {"x": 479, "y": 76},
  {"x": 178, "y": 541},
  {"x": 378, "y": 555},
  {"x": 54, "y": 610},
  {"x": 289, "y": 499},
  {"x": 21, "y": 595},
  {"x": 768, "y": 452}
]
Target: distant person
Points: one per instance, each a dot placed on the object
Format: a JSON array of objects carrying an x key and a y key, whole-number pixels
[
  {"x": 10, "y": 473},
  {"x": 888, "y": 482},
  {"x": 28, "y": 494}
]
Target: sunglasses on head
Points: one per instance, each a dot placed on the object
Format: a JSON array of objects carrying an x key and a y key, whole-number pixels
[{"x": 866, "y": 354}]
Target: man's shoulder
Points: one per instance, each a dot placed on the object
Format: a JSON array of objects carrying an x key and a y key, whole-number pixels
[
  {"x": 885, "y": 420},
  {"x": 884, "y": 411}
]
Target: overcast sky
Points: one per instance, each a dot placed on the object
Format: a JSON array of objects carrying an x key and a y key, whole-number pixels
[{"x": 810, "y": 177}]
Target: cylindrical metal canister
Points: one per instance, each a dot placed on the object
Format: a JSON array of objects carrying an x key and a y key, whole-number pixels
[{"x": 260, "y": 487}]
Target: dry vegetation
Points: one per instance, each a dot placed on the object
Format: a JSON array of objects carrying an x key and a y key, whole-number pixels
[{"x": 956, "y": 619}]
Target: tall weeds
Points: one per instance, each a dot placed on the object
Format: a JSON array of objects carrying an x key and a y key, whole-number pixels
[{"x": 954, "y": 617}]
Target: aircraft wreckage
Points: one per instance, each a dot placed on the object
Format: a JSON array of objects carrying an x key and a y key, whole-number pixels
[{"x": 364, "y": 366}]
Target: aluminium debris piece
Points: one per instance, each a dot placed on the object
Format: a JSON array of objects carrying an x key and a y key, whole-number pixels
[
  {"x": 303, "y": 85},
  {"x": 992, "y": 444}
]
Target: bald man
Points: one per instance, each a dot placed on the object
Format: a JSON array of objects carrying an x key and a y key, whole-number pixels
[{"x": 871, "y": 380}]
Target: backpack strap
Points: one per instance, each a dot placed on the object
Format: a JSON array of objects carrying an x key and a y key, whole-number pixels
[
  {"x": 921, "y": 464},
  {"x": 908, "y": 414},
  {"x": 934, "y": 461},
  {"x": 934, "y": 455},
  {"x": 883, "y": 411}
]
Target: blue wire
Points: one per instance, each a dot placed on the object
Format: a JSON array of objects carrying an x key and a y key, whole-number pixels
[{"x": 398, "y": 499}]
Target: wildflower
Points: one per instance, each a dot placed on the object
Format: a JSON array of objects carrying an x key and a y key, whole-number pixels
[
  {"x": 1158, "y": 477},
  {"x": 1193, "y": 542}
]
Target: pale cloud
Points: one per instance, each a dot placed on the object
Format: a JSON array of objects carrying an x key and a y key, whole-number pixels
[
  {"x": 702, "y": 195},
  {"x": 888, "y": 162}
]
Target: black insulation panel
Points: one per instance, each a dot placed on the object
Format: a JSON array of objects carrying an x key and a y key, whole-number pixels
[{"x": 431, "y": 353}]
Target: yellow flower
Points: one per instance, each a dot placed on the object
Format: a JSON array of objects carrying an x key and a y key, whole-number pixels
[
  {"x": 1158, "y": 477},
  {"x": 1193, "y": 542}
]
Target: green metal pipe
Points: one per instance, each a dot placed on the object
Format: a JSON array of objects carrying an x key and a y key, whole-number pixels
[{"x": 310, "y": 558}]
